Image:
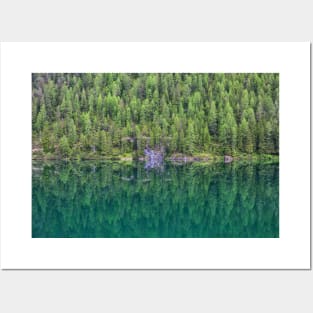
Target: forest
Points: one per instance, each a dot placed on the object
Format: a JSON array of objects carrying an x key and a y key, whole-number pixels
[{"x": 118, "y": 115}]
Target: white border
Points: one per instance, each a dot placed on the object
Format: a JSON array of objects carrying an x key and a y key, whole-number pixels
[{"x": 290, "y": 251}]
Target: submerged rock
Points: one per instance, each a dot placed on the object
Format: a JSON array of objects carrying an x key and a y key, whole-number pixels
[
  {"x": 127, "y": 178},
  {"x": 228, "y": 159}
]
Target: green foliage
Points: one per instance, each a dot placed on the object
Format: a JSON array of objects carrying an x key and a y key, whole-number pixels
[
  {"x": 64, "y": 147},
  {"x": 71, "y": 132},
  {"x": 190, "y": 138},
  {"x": 41, "y": 117},
  {"x": 47, "y": 139},
  {"x": 116, "y": 113}
]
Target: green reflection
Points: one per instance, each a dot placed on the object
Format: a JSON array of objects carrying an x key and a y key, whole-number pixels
[{"x": 90, "y": 199}]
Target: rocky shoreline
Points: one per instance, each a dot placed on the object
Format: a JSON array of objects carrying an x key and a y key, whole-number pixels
[{"x": 176, "y": 158}]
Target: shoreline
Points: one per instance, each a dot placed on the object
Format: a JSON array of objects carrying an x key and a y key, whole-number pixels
[{"x": 174, "y": 158}]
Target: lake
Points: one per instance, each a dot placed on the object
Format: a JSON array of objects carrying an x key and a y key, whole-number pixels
[{"x": 90, "y": 199}]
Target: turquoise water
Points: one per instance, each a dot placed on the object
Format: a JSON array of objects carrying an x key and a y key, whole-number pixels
[{"x": 107, "y": 199}]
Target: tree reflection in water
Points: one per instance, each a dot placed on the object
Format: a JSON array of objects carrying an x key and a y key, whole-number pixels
[{"x": 106, "y": 199}]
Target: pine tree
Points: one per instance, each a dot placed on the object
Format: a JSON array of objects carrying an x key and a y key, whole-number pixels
[
  {"x": 190, "y": 138},
  {"x": 71, "y": 132},
  {"x": 86, "y": 124},
  {"x": 41, "y": 117},
  {"x": 245, "y": 141},
  {"x": 269, "y": 144},
  {"x": 212, "y": 119},
  {"x": 206, "y": 139},
  {"x": 46, "y": 140},
  {"x": 64, "y": 147}
]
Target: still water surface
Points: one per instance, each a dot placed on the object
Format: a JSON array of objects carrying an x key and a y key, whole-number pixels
[{"x": 107, "y": 199}]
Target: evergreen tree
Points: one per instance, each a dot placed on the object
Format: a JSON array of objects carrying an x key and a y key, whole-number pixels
[
  {"x": 206, "y": 139},
  {"x": 41, "y": 118},
  {"x": 47, "y": 139},
  {"x": 212, "y": 119},
  {"x": 190, "y": 138},
  {"x": 65, "y": 149},
  {"x": 71, "y": 132},
  {"x": 245, "y": 139}
]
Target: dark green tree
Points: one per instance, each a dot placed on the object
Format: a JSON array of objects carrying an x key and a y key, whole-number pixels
[{"x": 65, "y": 149}]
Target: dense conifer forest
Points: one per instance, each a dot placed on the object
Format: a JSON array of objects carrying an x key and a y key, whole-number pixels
[{"x": 115, "y": 115}]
